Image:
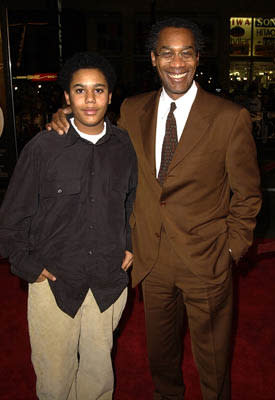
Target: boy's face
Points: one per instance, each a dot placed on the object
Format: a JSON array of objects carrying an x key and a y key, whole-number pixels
[{"x": 89, "y": 98}]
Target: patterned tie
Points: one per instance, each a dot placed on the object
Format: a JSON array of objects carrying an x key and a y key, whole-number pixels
[{"x": 169, "y": 146}]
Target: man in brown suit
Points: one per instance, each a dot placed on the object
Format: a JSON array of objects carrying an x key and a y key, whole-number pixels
[{"x": 191, "y": 221}]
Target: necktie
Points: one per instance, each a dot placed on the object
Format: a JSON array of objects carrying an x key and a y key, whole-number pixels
[{"x": 169, "y": 146}]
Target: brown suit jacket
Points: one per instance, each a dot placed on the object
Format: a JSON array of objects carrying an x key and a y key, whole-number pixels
[{"x": 211, "y": 196}]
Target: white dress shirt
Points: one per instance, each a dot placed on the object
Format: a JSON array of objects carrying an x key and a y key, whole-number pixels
[{"x": 184, "y": 104}]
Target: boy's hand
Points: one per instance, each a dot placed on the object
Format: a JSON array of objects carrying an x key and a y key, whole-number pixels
[
  {"x": 59, "y": 122},
  {"x": 45, "y": 274},
  {"x": 127, "y": 261}
]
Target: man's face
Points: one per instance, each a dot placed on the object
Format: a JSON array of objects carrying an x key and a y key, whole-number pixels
[
  {"x": 89, "y": 98},
  {"x": 176, "y": 60}
]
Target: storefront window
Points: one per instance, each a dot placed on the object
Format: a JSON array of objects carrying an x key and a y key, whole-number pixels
[
  {"x": 8, "y": 145},
  {"x": 239, "y": 71},
  {"x": 252, "y": 52},
  {"x": 2, "y": 85},
  {"x": 3, "y": 150},
  {"x": 264, "y": 73}
]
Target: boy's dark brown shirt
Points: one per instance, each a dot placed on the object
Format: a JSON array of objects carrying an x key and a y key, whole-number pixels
[{"x": 67, "y": 210}]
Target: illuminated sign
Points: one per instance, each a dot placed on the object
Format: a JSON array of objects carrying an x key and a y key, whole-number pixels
[
  {"x": 240, "y": 36},
  {"x": 264, "y": 22},
  {"x": 38, "y": 77},
  {"x": 260, "y": 29},
  {"x": 264, "y": 37}
]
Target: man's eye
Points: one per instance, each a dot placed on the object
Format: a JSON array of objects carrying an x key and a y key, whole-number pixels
[
  {"x": 166, "y": 54},
  {"x": 187, "y": 54},
  {"x": 99, "y": 90},
  {"x": 79, "y": 91}
]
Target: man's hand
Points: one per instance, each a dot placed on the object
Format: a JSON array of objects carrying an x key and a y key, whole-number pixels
[
  {"x": 45, "y": 274},
  {"x": 59, "y": 122},
  {"x": 127, "y": 261}
]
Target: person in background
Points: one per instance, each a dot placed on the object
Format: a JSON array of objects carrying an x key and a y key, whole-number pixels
[
  {"x": 197, "y": 199},
  {"x": 65, "y": 228},
  {"x": 253, "y": 102}
]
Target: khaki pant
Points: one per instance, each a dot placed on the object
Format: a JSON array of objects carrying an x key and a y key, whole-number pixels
[{"x": 72, "y": 356}]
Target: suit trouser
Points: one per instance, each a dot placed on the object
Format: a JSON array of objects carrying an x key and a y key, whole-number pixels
[
  {"x": 169, "y": 290},
  {"x": 72, "y": 356}
]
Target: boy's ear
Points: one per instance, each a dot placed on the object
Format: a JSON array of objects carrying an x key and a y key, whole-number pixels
[
  {"x": 110, "y": 98},
  {"x": 67, "y": 97}
]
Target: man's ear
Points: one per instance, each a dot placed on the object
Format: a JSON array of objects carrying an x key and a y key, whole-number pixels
[
  {"x": 153, "y": 58},
  {"x": 110, "y": 98},
  {"x": 198, "y": 58},
  {"x": 67, "y": 98}
]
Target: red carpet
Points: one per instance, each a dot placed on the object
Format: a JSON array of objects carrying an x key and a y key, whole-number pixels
[{"x": 253, "y": 360}]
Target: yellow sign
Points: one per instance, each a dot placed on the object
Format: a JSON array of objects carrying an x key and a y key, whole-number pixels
[
  {"x": 240, "y": 36},
  {"x": 264, "y": 37}
]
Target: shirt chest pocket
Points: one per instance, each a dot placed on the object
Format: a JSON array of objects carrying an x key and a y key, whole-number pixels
[
  {"x": 60, "y": 205},
  {"x": 61, "y": 188},
  {"x": 118, "y": 188}
]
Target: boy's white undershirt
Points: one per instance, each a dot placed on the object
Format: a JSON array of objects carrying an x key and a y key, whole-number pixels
[{"x": 91, "y": 138}]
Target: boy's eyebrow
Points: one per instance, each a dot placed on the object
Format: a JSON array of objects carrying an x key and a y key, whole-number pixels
[{"x": 95, "y": 85}]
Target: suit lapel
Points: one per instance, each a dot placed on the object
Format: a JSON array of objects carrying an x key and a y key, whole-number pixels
[
  {"x": 196, "y": 126},
  {"x": 148, "y": 124}
]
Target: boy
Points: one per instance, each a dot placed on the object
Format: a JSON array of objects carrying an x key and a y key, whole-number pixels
[{"x": 64, "y": 226}]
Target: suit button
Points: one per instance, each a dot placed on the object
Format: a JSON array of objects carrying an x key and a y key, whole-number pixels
[{"x": 163, "y": 203}]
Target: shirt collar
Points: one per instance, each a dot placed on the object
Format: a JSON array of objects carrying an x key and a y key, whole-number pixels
[
  {"x": 102, "y": 133},
  {"x": 72, "y": 136},
  {"x": 181, "y": 102}
]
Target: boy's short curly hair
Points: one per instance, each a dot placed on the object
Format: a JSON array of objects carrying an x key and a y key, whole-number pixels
[
  {"x": 85, "y": 60},
  {"x": 174, "y": 22}
]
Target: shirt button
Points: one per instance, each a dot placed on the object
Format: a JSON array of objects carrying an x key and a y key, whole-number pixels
[
  {"x": 59, "y": 190},
  {"x": 91, "y": 227},
  {"x": 90, "y": 252},
  {"x": 92, "y": 200},
  {"x": 163, "y": 203},
  {"x": 92, "y": 173}
]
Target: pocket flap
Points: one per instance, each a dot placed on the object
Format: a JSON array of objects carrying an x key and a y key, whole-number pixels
[
  {"x": 119, "y": 185},
  {"x": 60, "y": 188}
]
